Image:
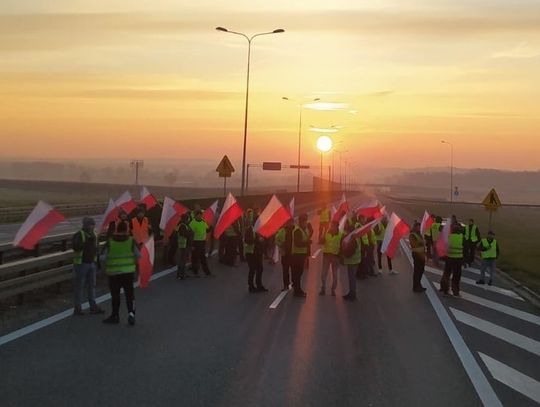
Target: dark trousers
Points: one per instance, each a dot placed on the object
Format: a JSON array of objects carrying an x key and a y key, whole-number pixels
[
  {"x": 469, "y": 251},
  {"x": 231, "y": 250},
  {"x": 452, "y": 267},
  {"x": 240, "y": 245},
  {"x": 362, "y": 270},
  {"x": 198, "y": 257},
  {"x": 286, "y": 265},
  {"x": 221, "y": 248},
  {"x": 429, "y": 245},
  {"x": 181, "y": 259},
  {"x": 116, "y": 282},
  {"x": 255, "y": 264},
  {"x": 297, "y": 261},
  {"x": 419, "y": 262},
  {"x": 379, "y": 257}
]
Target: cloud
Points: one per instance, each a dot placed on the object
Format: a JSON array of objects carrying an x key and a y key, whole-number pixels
[{"x": 520, "y": 51}]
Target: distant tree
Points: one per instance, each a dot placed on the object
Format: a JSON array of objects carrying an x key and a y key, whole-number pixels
[{"x": 171, "y": 178}]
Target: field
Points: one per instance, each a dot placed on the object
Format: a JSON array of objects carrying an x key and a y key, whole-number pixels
[{"x": 516, "y": 230}]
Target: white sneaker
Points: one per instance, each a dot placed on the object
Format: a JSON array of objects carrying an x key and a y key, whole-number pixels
[
  {"x": 380, "y": 271},
  {"x": 394, "y": 272},
  {"x": 131, "y": 318}
]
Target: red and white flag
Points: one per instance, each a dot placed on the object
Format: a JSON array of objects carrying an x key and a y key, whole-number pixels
[
  {"x": 370, "y": 209},
  {"x": 170, "y": 216},
  {"x": 333, "y": 212},
  {"x": 362, "y": 230},
  {"x": 380, "y": 213},
  {"x": 291, "y": 207},
  {"x": 427, "y": 221},
  {"x": 341, "y": 210},
  {"x": 229, "y": 214},
  {"x": 209, "y": 214},
  {"x": 272, "y": 218},
  {"x": 395, "y": 231},
  {"x": 42, "y": 219},
  {"x": 146, "y": 262},
  {"x": 110, "y": 215},
  {"x": 148, "y": 199},
  {"x": 126, "y": 202},
  {"x": 342, "y": 223},
  {"x": 442, "y": 242}
]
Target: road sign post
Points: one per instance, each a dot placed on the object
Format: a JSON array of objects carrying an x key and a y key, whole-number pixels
[
  {"x": 491, "y": 202},
  {"x": 225, "y": 170}
]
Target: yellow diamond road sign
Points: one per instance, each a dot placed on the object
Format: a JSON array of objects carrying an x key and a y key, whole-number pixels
[
  {"x": 492, "y": 201},
  {"x": 225, "y": 168}
]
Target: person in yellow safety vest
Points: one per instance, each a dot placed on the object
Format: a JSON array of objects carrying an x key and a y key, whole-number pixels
[
  {"x": 472, "y": 237},
  {"x": 253, "y": 249},
  {"x": 121, "y": 254},
  {"x": 324, "y": 221},
  {"x": 331, "y": 256},
  {"x": 453, "y": 261},
  {"x": 418, "y": 250},
  {"x": 198, "y": 253},
  {"x": 363, "y": 266},
  {"x": 380, "y": 230},
  {"x": 184, "y": 239},
  {"x": 85, "y": 265},
  {"x": 301, "y": 243},
  {"x": 140, "y": 227},
  {"x": 284, "y": 243},
  {"x": 435, "y": 232},
  {"x": 489, "y": 251},
  {"x": 352, "y": 256}
]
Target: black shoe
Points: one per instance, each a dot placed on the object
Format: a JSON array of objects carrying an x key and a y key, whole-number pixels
[
  {"x": 490, "y": 282},
  {"x": 208, "y": 275},
  {"x": 131, "y": 318},
  {"x": 482, "y": 282},
  {"x": 96, "y": 311},
  {"x": 113, "y": 319},
  {"x": 78, "y": 311},
  {"x": 252, "y": 289},
  {"x": 285, "y": 289},
  {"x": 349, "y": 297},
  {"x": 196, "y": 275},
  {"x": 322, "y": 292},
  {"x": 333, "y": 293},
  {"x": 300, "y": 294},
  {"x": 418, "y": 290},
  {"x": 262, "y": 289}
]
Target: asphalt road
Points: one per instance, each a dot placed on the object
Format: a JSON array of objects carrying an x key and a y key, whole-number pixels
[{"x": 208, "y": 342}]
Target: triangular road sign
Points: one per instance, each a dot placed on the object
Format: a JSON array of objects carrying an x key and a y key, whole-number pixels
[
  {"x": 492, "y": 201},
  {"x": 225, "y": 168}
]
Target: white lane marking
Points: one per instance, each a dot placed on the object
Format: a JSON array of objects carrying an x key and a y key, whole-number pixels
[
  {"x": 278, "y": 299},
  {"x": 485, "y": 287},
  {"x": 525, "y": 316},
  {"x": 512, "y": 378},
  {"x": 522, "y": 341},
  {"x": 472, "y": 368},
  {"x": 314, "y": 255},
  {"x": 67, "y": 313}
]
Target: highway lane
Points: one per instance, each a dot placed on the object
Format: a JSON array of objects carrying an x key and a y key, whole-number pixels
[{"x": 208, "y": 342}]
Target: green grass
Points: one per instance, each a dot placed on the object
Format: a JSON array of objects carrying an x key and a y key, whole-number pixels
[{"x": 516, "y": 229}]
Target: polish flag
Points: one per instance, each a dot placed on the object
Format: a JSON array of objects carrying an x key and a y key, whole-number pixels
[
  {"x": 126, "y": 202},
  {"x": 291, "y": 207},
  {"x": 342, "y": 209},
  {"x": 209, "y": 214},
  {"x": 380, "y": 213},
  {"x": 272, "y": 218},
  {"x": 442, "y": 242},
  {"x": 148, "y": 199},
  {"x": 370, "y": 209},
  {"x": 146, "y": 262},
  {"x": 110, "y": 215},
  {"x": 42, "y": 219},
  {"x": 395, "y": 231},
  {"x": 229, "y": 214},
  {"x": 170, "y": 215},
  {"x": 427, "y": 221},
  {"x": 342, "y": 223},
  {"x": 362, "y": 230}
]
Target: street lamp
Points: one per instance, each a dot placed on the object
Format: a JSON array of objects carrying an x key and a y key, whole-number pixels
[
  {"x": 300, "y": 108},
  {"x": 249, "y": 40},
  {"x": 324, "y": 145},
  {"x": 451, "y": 169}
]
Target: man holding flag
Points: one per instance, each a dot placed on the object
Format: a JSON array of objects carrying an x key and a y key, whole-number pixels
[
  {"x": 301, "y": 244},
  {"x": 331, "y": 256},
  {"x": 198, "y": 256}
]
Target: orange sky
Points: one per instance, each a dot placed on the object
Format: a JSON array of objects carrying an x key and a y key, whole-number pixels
[{"x": 110, "y": 79}]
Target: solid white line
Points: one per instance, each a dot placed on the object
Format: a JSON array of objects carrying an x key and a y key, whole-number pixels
[
  {"x": 512, "y": 378},
  {"x": 534, "y": 319},
  {"x": 314, "y": 255},
  {"x": 67, "y": 313},
  {"x": 472, "y": 368},
  {"x": 522, "y": 341},
  {"x": 485, "y": 287},
  {"x": 278, "y": 299}
]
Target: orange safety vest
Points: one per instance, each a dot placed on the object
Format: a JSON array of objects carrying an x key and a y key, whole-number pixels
[{"x": 140, "y": 230}]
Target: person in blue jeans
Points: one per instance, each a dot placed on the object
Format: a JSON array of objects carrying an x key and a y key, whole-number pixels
[
  {"x": 489, "y": 251},
  {"x": 85, "y": 265},
  {"x": 352, "y": 256}
]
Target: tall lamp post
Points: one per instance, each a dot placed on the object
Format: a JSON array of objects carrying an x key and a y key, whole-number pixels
[
  {"x": 137, "y": 164},
  {"x": 249, "y": 40},
  {"x": 300, "y": 108},
  {"x": 451, "y": 169},
  {"x": 324, "y": 145}
]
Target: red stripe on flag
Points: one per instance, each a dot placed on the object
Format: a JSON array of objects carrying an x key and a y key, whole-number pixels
[
  {"x": 400, "y": 230},
  {"x": 227, "y": 219},
  {"x": 40, "y": 229},
  {"x": 276, "y": 221}
]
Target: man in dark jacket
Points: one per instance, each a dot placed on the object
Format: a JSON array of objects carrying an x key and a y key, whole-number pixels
[{"x": 85, "y": 265}]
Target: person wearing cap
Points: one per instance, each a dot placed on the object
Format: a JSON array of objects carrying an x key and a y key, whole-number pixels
[
  {"x": 472, "y": 237},
  {"x": 198, "y": 254},
  {"x": 489, "y": 251},
  {"x": 140, "y": 227},
  {"x": 301, "y": 243},
  {"x": 120, "y": 255},
  {"x": 418, "y": 249},
  {"x": 85, "y": 264},
  {"x": 113, "y": 226}
]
